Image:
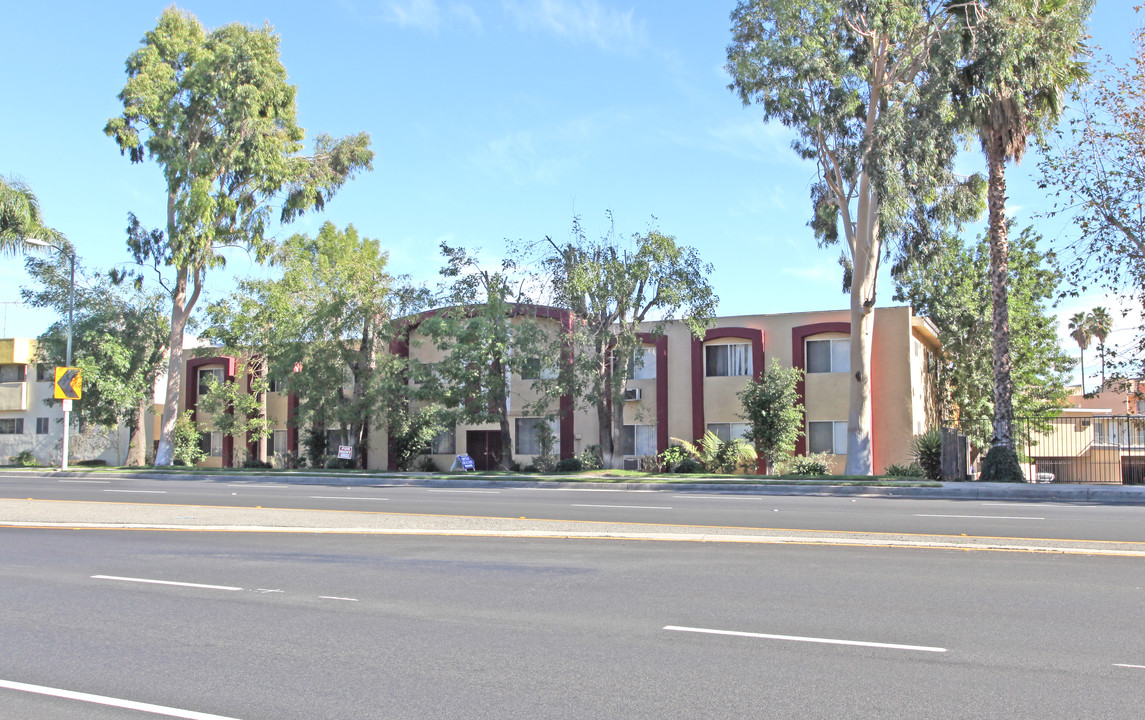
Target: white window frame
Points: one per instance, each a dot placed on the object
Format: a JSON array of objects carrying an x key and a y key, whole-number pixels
[
  {"x": 43, "y": 422},
  {"x": 643, "y": 440},
  {"x": 205, "y": 372},
  {"x": 646, "y": 369},
  {"x": 838, "y": 437},
  {"x": 524, "y": 435},
  {"x": 727, "y": 431},
  {"x": 838, "y": 355},
  {"x": 739, "y": 360}
]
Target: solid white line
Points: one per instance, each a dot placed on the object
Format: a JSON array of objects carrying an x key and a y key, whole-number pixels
[
  {"x": 331, "y": 597},
  {"x": 164, "y": 582},
  {"x": 988, "y": 517},
  {"x": 827, "y": 641},
  {"x": 101, "y": 482},
  {"x": 1041, "y": 505},
  {"x": 157, "y": 492},
  {"x": 721, "y": 497},
  {"x": 1137, "y": 667},
  {"x": 343, "y": 497},
  {"x": 114, "y": 702},
  {"x": 480, "y": 492},
  {"x": 629, "y": 507}
]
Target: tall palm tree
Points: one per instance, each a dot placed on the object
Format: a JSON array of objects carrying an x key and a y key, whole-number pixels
[
  {"x": 1101, "y": 324},
  {"x": 20, "y": 217},
  {"x": 1081, "y": 330},
  {"x": 1021, "y": 56}
]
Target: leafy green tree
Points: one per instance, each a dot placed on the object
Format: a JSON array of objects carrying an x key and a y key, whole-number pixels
[
  {"x": 21, "y": 218},
  {"x": 1081, "y": 330},
  {"x": 865, "y": 86},
  {"x": 1095, "y": 171},
  {"x": 1021, "y": 56},
  {"x": 188, "y": 451},
  {"x": 412, "y": 430},
  {"x": 771, "y": 407},
  {"x": 235, "y": 411},
  {"x": 615, "y": 290},
  {"x": 946, "y": 287},
  {"x": 486, "y": 333},
  {"x": 215, "y": 111},
  {"x": 345, "y": 303},
  {"x": 120, "y": 344}
]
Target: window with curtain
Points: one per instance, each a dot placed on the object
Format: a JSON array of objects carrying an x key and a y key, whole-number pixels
[
  {"x": 828, "y": 437},
  {"x": 829, "y": 356},
  {"x": 728, "y": 360},
  {"x": 527, "y": 440},
  {"x": 638, "y": 440}
]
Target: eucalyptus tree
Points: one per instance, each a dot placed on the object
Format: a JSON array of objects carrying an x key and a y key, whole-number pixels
[
  {"x": 1020, "y": 57},
  {"x": 120, "y": 337},
  {"x": 616, "y": 289},
  {"x": 214, "y": 109},
  {"x": 865, "y": 87}
]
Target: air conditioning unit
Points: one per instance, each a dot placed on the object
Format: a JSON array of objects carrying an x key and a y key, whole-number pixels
[
  {"x": 631, "y": 463},
  {"x": 632, "y": 394}
]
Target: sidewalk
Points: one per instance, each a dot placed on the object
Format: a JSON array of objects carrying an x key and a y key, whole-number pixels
[{"x": 1109, "y": 494}]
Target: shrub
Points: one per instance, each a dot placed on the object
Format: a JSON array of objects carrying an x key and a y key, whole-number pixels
[
  {"x": 514, "y": 466},
  {"x": 1001, "y": 465},
  {"x": 426, "y": 464},
  {"x": 545, "y": 463},
  {"x": 650, "y": 463},
  {"x": 590, "y": 458},
  {"x": 672, "y": 457},
  {"x": 186, "y": 450},
  {"x": 806, "y": 465},
  {"x": 572, "y": 464},
  {"x": 315, "y": 443},
  {"x": 25, "y": 458},
  {"x": 688, "y": 465},
  {"x": 531, "y": 468},
  {"x": 340, "y": 464},
  {"x": 256, "y": 463},
  {"x": 96, "y": 462},
  {"x": 912, "y": 470},
  {"x": 927, "y": 452}
]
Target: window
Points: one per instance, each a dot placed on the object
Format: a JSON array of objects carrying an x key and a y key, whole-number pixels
[
  {"x": 828, "y": 437},
  {"x": 728, "y": 360},
  {"x": 334, "y": 438},
  {"x": 730, "y": 431},
  {"x": 444, "y": 443},
  {"x": 1119, "y": 432},
  {"x": 13, "y": 373},
  {"x": 12, "y": 426},
  {"x": 638, "y": 440},
  {"x": 534, "y": 369},
  {"x": 528, "y": 435},
  {"x": 205, "y": 375},
  {"x": 45, "y": 372},
  {"x": 643, "y": 365},
  {"x": 276, "y": 443},
  {"x": 827, "y": 356},
  {"x": 41, "y": 426},
  {"x": 276, "y": 385},
  {"x": 211, "y": 443}
]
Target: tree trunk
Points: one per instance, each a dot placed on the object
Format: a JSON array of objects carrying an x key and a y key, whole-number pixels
[
  {"x": 165, "y": 455},
  {"x": 866, "y": 246},
  {"x": 137, "y": 441},
  {"x": 1082, "y": 351},
  {"x": 999, "y": 292}
]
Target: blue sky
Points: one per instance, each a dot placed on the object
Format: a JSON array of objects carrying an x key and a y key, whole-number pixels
[{"x": 490, "y": 121}]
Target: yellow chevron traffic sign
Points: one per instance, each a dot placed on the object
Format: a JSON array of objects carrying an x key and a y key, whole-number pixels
[{"x": 69, "y": 384}]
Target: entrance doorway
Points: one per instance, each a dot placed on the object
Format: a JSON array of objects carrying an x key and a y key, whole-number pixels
[{"x": 484, "y": 446}]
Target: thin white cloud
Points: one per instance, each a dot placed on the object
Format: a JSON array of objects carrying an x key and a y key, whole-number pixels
[
  {"x": 517, "y": 155},
  {"x": 815, "y": 273},
  {"x": 428, "y": 15},
  {"x": 582, "y": 21}
]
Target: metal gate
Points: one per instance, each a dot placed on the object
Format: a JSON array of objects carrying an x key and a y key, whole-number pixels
[{"x": 1063, "y": 449}]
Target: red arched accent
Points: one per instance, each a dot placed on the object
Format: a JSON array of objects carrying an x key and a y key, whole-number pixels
[
  {"x": 193, "y": 366},
  {"x": 798, "y": 359},
  {"x": 755, "y": 335}
]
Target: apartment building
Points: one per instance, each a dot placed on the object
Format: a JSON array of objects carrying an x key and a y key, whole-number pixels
[
  {"x": 31, "y": 421},
  {"x": 683, "y": 387}
]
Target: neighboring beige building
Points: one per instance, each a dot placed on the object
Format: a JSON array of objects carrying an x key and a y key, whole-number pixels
[
  {"x": 27, "y": 423},
  {"x": 684, "y": 387},
  {"x": 1098, "y": 438}
]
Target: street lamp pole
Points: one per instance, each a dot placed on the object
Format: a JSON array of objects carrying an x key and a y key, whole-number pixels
[{"x": 61, "y": 249}]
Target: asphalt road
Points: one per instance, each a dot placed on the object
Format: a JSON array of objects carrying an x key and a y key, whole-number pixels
[
  {"x": 1021, "y": 519},
  {"x": 331, "y": 626}
]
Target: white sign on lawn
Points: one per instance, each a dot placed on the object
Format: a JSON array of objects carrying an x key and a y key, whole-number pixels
[{"x": 345, "y": 452}]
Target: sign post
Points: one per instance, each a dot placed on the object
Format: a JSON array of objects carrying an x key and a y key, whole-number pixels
[{"x": 68, "y": 387}]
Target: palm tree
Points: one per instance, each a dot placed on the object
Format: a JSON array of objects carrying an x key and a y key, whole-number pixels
[
  {"x": 1081, "y": 330},
  {"x": 1021, "y": 55},
  {"x": 20, "y": 217},
  {"x": 1101, "y": 324}
]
